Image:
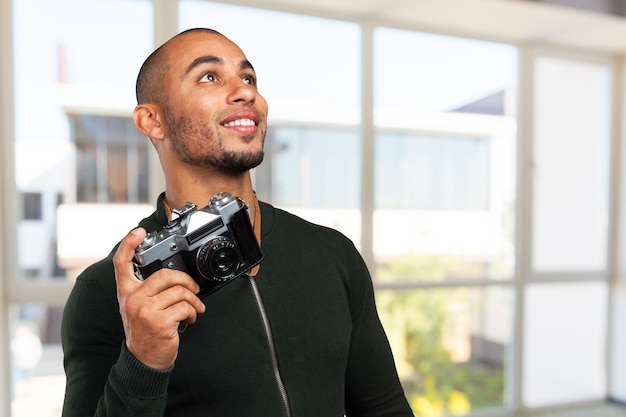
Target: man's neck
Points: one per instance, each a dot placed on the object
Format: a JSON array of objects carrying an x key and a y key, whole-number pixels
[{"x": 181, "y": 190}]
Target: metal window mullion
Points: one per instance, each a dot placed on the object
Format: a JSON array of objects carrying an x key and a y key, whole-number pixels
[
  {"x": 615, "y": 199},
  {"x": 8, "y": 252},
  {"x": 523, "y": 218},
  {"x": 367, "y": 144}
]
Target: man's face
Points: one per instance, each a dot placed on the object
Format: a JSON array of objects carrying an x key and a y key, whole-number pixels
[{"x": 213, "y": 113}]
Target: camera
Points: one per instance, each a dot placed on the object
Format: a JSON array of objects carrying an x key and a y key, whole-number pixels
[{"x": 214, "y": 245}]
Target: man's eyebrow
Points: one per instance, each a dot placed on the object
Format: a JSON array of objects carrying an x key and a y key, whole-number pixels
[
  {"x": 208, "y": 59},
  {"x": 245, "y": 64},
  {"x": 211, "y": 59}
]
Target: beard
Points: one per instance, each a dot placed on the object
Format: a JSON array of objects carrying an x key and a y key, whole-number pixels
[{"x": 200, "y": 145}]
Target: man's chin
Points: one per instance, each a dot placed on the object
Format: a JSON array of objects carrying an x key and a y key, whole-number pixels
[{"x": 237, "y": 163}]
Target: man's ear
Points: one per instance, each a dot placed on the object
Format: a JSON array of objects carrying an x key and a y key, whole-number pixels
[{"x": 147, "y": 118}]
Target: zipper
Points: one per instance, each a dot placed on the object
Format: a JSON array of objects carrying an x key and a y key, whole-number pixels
[{"x": 270, "y": 341}]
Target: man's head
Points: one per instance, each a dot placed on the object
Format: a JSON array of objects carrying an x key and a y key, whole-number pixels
[
  {"x": 153, "y": 70},
  {"x": 198, "y": 102}
]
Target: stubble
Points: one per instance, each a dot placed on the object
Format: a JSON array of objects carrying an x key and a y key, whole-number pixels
[{"x": 198, "y": 144}]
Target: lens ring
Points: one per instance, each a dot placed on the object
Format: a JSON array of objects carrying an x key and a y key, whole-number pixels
[{"x": 218, "y": 259}]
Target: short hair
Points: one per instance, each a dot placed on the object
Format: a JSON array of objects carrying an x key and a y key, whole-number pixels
[{"x": 149, "y": 86}]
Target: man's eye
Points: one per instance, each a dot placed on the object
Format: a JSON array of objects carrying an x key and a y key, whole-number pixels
[
  {"x": 249, "y": 79},
  {"x": 208, "y": 78}
]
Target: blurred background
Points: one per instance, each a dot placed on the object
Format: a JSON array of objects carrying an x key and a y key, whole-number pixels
[{"x": 471, "y": 149}]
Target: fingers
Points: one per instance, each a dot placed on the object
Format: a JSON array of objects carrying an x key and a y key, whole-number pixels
[
  {"x": 183, "y": 312},
  {"x": 173, "y": 296},
  {"x": 122, "y": 261},
  {"x": 151, "y": 323},
  {"x": 152, "y": 309},
  {"x": 166, "y": 278}
]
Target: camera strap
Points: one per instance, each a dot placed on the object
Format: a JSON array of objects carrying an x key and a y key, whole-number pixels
[{"x": 256, "y": 226}]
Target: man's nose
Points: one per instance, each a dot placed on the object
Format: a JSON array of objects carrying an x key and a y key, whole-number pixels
[{"x": 242, "y": 93}]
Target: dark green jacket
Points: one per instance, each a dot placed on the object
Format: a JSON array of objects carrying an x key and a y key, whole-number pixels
[{"x": 330, "y": 350}]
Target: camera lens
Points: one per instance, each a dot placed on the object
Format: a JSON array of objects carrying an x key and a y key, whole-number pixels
[
  {"x": 225, "y": 260},
  {"x": 218, "y": 259}
]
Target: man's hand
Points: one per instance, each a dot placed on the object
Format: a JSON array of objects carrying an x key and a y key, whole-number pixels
[{"x": 153, "y": 309}]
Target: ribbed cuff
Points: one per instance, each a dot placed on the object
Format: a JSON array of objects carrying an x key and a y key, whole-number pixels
[{"x": 139, "y": 380}]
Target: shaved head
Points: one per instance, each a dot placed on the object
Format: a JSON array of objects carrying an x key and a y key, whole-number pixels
[
  {"x": 149, "y": 87},
  {"x": 198, "y": 102}
]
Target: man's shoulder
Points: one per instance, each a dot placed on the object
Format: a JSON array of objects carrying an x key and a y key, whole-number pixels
[
  {"x": 282, "y": 218},
  {"x": 282, "y": 224},
  {"x": 97, "y": 278},
  {"x": 98, "y": 270}
]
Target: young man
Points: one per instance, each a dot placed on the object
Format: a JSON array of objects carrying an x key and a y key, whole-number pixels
[{"x": 298, "y": 336}]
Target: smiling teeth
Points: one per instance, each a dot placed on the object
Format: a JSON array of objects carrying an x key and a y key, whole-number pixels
[{"x": 241, "y": 122}]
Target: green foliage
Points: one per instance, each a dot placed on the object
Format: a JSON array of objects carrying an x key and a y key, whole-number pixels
[{"x": 417, "y": 322}]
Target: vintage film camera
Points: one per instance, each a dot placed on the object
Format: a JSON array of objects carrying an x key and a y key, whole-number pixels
[{"x": 214, "y": 245}]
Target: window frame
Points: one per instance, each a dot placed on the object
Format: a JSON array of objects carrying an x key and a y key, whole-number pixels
[{"x": 54, "y": 292}]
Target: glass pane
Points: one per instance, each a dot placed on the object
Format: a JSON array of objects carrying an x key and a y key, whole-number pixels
[
  {"x": 37, "y": 378},
  {"x": 451, "y": 346},
  {"x": 431, "y": 172},
  {"x": 571, "y": 164},
  {"x": 291, "y": 55},
  {"x": 315, "y": 167},
  {"x": 75, "y": 72},
  {"x": 112, "y": 158},
  {"x": 565, "y": 330},
  {"x": 314, "y": 173},
  {"x": 423, "y": 72},
  {"x": 444, "y": 158}
]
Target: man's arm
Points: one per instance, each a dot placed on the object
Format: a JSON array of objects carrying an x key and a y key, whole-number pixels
[
  {"x": 372, "y": 385},
  {"x": 118, "y": 359},
  {"x": 92, "y": 336}
]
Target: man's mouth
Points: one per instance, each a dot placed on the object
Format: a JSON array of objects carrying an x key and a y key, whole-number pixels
[
  {"x": 244, "y": 122},
  {"x": 240, "y": 122}
]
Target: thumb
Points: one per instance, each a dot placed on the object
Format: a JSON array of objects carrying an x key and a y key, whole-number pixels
[{"x": 123, "y": 259}]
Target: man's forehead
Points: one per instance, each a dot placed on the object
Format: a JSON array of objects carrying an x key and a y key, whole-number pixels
[
  {"x": 189, "y": 51},
  {"x": 202, "y": 44}
]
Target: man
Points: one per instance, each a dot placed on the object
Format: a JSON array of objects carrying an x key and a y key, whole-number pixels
[{"x": 298, "y": 336}]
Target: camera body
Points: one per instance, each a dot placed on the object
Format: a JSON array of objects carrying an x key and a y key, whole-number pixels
[{"x": 214, "y": 245}]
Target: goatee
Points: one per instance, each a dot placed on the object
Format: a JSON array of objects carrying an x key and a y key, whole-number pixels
[
  {"x": 238, "y": 162},
  {"x": 203, "y": 146}
]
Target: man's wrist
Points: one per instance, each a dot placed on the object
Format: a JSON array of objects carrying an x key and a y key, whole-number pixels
[{"x": 139, "y": 380}]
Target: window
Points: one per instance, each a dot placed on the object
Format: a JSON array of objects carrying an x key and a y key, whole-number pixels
[
  {"x": 555, "y": 373},
  {"x": 432, "y": 172},
  {"x": 569, "y": 233},
  {"x": 444, "y": 215},
  {"x": 445, "y": 157},
  {"x": 77, "y": 139},
  {"x": 111, "y": 159},
  {"x": 315, "y": 167},
  {"x": 452, "y": 346},
  {"x": 571, "y": 152},
  {"x": 70, "y": 75}
]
